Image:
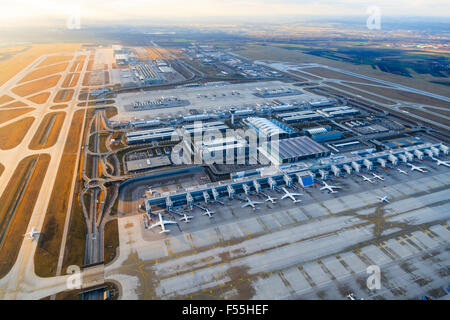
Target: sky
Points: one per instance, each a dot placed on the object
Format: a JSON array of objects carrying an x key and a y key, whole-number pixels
[{"x": 34, "y": 12}]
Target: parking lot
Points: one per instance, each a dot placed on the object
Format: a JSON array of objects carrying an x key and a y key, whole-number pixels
[
  {"x": 317, "y": 249},
  {"x": 206, "y": 98}
]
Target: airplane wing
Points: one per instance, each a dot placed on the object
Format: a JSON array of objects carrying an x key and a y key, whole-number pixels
[
  {"x": 284, "y": 197},
  {"x": 169, "y": 222},
  {"x": 245, "y": 205},
  {"x": 155, "y": 225},
  {"x": 296, "y": 194},
  {"x": 257, "y": 202}
]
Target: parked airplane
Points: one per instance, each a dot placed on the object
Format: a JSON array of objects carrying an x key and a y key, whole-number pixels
[
  {"x": 269, "y": 198},
  {"x": 329, "y": 187},
  {"x": 206, "y": 212},
  {"x": 420, "y": 169},
  {"x": 162, "y": 224},
  {"x": 251, "y": 203},
  {"x": 377, "y": 177},
  {"x": 32, "y": 233},
  {"x": 439, "y": 162},
  {"x": 186, "y": 218},
  {"x": 367, "y": 179},
  {"x": 402, "y": 171},
  {"x": 383, "y": 199},
  {"x": 291, "y": 195}
]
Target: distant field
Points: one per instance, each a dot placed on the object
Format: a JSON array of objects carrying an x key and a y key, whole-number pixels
[
  {"x": 48, "y": 132},
  {"x": 36, "y": 86},
  {"x": 303, "y": 76},
  {"x": 44, "y": 72},
  {"x": 47, "y": 251},
  {"x": 6, "y": 115},
  {"x": 361, "y": 93},
  {"x": 12, "y": 135},
  {"x": 259, "y": 52},
  {"x": 40, "y": 98},
  {"x": 18, "y": 202},
  {"x": 10, "y": 67}
]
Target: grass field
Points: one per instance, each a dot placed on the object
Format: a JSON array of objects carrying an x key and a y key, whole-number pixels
[
  {"x": 304, "y": 76},
  {"x": 18, "y": 202},
  {"x": 76, "y": 236},
  {"x": 55, "y": 59},
  {"x": 111, "y": 240},
  {"x": 403, "y": 95},
  {"x": 326, "y": 73},
  {"x": 59, "y": 106},
  {"x": 63, "y": 95},
  {"x": 6, "y": 115},
  {"x": 40, "y": 98},
  {"x": 71, "y": 80},
  {"x": 5, "y": 98},
  {"x": 361, "y": 93},
  {"x": 267, "y": 52},
  {"x": 47, "y": 251},
  {"x": 153, "y": 54},
  {"x": 12, "y": 134},
  {"x": 443, "y": 112},
  {"x": 426, "y": 115},
  {"x": 48, "y": 132},
  {"x": 36, "y": 86},
  {"x": 44, "y": 72},
  {"x": 10, "y": 67},
  {"x": 15, "y": 104},
  {"x": 2, "y": 168}
]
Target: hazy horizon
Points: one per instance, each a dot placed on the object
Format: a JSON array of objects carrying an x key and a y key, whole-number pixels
[{"x": 29, "y": 13}]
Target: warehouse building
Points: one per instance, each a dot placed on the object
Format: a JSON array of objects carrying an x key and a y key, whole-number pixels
[
  {"x": 294, "y": 149},
  {"x": 269, "y": 128},
  {"x": 205, "y": 127},
  {"x": 221, "y": 150},
  {"x": 299, "y": 116},
  {"x": 145, "y": 136},
  {"x": 146, "y": 74},
  {"x": 321, "y": 134},
  {"x": 338, "y": 111}
]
